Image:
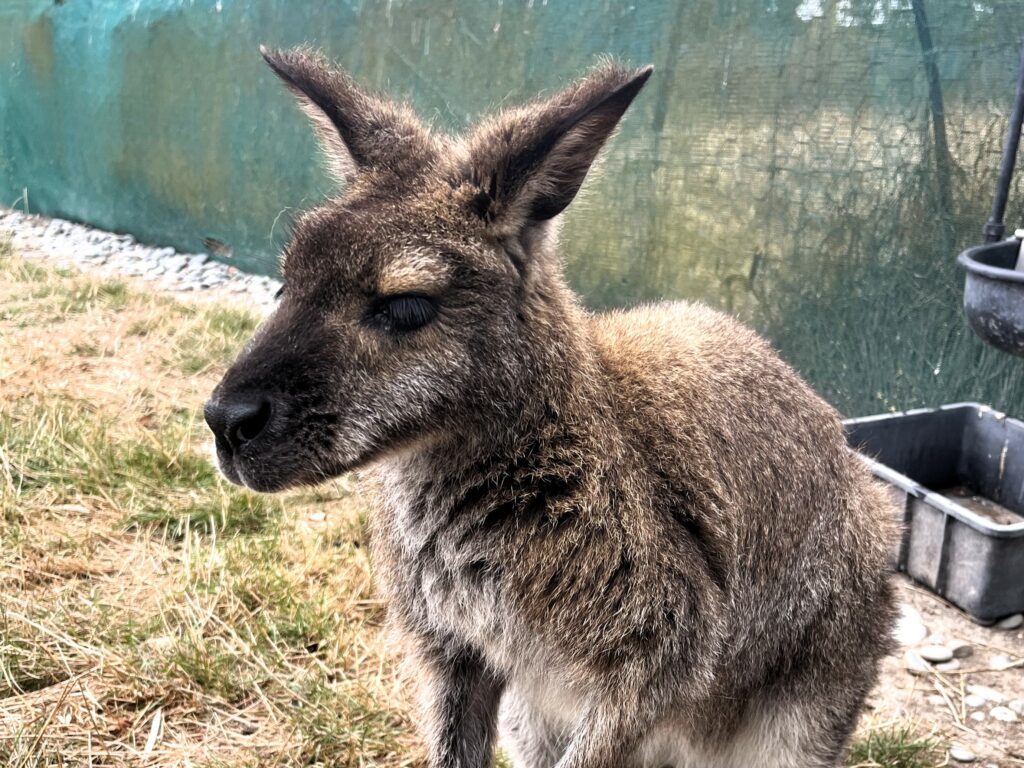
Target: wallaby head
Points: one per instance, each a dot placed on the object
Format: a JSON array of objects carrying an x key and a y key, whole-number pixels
[{"x": 428, "y": 295}]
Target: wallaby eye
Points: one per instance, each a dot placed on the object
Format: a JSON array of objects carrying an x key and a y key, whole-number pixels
[
  {"x": 401, "y": 314},
  {"x": 280, "y": 291}
]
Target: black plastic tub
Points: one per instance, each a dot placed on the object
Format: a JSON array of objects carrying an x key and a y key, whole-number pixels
[
  {"x": 994, "y": 294},
  {"x": 957, "y": 474}
]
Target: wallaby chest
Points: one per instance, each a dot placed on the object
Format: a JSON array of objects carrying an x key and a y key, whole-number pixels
[{"x": 441, "y": 577}]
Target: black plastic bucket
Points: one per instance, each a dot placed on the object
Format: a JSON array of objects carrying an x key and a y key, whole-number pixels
[{"x": 994, "y": 294}]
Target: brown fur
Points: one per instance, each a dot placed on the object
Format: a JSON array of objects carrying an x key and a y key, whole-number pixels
[{"x": 639, "y": 535}]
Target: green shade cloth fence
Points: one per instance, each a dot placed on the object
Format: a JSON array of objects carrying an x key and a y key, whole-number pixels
[{"x": 810, "y": 165}]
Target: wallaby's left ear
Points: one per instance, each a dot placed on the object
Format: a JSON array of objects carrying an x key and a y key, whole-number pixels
[
  {"x": 529, "y": 162},
  {"x": 358, "y": 130}
]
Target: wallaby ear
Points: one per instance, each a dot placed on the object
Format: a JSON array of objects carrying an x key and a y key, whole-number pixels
[
  {"x": 357, "y": 130},
  {"x": 529, "y": 162}
]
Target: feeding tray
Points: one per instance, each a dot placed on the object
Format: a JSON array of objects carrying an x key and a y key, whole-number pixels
[
  {"x": 957, "y": 475},
  {"x": 994, "y": 294}
]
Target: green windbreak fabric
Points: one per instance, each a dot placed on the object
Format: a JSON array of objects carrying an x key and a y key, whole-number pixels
[{"x": 812, "y": 166}]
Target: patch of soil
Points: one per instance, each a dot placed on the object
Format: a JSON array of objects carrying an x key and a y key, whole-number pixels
[{"x": 940, "y": 702}]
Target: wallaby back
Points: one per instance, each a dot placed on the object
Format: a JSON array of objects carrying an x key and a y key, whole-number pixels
[{"x": 638, "y": 535}]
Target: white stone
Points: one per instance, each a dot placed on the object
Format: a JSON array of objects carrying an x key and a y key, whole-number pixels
[
  {"x": 915, "y": 664},
  {"x": 988, "y": 694},
  {"x": 1004, "y": 714},
  {"x": 999, "y": 663},
  {"x": 910, "y": 628},
  {"x": 936, "y": 654},
  {"x": 962, "y": 755},
  {"x": 174, "y": 263},
  {"x": 977, "y": 716},
  {"x": 974, "y": 701},
  {"x": 1017, "y": 705},
  {"x": 952, "y": 665}
]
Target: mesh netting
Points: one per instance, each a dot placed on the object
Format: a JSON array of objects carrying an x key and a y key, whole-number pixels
[
  {"x": 816, "y": 168},
  {"x": 811, "y": 165}
]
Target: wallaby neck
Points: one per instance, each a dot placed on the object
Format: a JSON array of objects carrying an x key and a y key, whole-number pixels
[{"x": 563, "y": 389}]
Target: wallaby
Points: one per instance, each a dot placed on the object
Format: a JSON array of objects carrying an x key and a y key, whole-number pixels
[{"x": 624, "y": 539}]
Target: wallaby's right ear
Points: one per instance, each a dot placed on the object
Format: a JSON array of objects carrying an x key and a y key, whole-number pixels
[
  {"x": 357, "y": 130},
  {"x": 527, "y": 164}
]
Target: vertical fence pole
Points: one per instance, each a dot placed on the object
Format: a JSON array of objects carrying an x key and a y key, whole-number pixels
[
  {"x": 994, "y": 227},
  {"x": 943, "y": 160}
]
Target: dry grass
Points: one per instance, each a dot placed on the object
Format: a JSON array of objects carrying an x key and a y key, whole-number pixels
[{"x": 151, "y": 614}]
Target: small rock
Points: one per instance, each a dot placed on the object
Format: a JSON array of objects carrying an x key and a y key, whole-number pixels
[
  {"x": 1017, "y": 705},
  {"x": 961, "y": 649},
  {"x": 936, "y": 701},
  {"x": 174, "y": 263},
  {"x": 915, "y": 664},
  {"x": 974, "y": 701},
  {"x": 999, "y": 663},
  {"x": 977, "y": 716},
  {"x": 988, "y": 694},
  {"x": 936, "y": 654},
  {"x": 962, "y": 755},
  {"x": 949, "y": 666},
  {"x": 1011, "y": 622},
  {"x": 1005, "y": 714}
]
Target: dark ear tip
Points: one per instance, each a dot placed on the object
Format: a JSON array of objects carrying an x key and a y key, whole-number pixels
[
  {"x": 632, "y": 81},
  {"x": 285, "y": 64},
  {"x": 273, "y": 57}
]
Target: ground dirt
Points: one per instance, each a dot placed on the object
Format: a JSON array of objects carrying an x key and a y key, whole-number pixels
[{"x": 934, "y": 701}]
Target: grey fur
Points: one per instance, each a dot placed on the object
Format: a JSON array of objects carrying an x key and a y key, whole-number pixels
[{"x": 640, "y": 529}]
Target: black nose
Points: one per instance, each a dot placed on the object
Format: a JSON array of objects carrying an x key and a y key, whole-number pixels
[{"x": 237, "y": 421}]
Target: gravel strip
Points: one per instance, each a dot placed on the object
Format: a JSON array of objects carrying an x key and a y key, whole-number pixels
[{"x": 182, "y": 275}]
